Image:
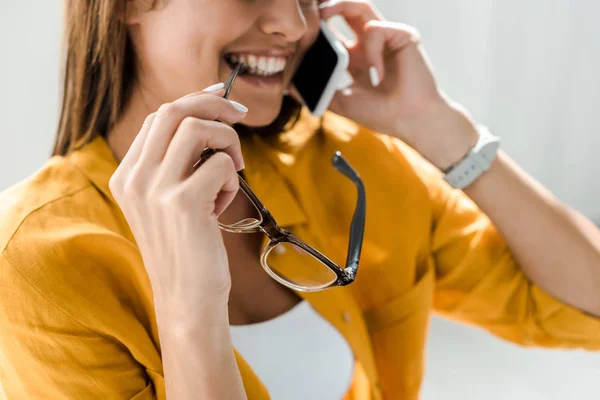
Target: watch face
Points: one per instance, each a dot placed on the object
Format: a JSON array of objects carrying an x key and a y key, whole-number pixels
[
  {"x": 490, "y": 149},
  {"x": 487, "y": 144}
]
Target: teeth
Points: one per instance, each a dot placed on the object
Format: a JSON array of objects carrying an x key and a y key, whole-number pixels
[
  {"x": 252, "y": 61},
  {"x": 260, "y": 65},
  {"x": 270, "y": 65}
]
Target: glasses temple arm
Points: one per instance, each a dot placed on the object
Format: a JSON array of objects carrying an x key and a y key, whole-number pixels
[{"x": 357, "y": 227}]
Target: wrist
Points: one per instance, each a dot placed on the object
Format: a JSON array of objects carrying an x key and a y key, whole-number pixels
[
  {"x": 200, "y": 325},
  {"x": 443, "y": 134},
  {"x": 179, "y": 317}
]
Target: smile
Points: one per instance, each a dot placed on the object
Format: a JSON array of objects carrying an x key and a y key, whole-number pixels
[{"x": 258, "y": 64}]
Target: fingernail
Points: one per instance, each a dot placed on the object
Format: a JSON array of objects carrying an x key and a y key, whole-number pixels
[
  {"x": 239, "y": 107},
  {"x": 215, "y": 88},
  {"x": 374, "y": 75}
]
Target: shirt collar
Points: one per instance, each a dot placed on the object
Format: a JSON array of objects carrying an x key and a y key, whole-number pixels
[
  {"x": 268, "y": 165},
  {"x": 264, "y": 159},
  {"x": 97, "y": 162}
]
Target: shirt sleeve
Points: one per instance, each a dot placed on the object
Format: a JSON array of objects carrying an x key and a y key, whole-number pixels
[
  {"x": 46, "y": 354},
  {"x": 479, "y": 282}
]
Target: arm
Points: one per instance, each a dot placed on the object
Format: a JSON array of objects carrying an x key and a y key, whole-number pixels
[
  {"x": 47, "y": 354},
  {"x": 477, "y": 279},
  {"x": 557, "y": 247},
  {"x": 187, "y": 267},
  {"x": 77, "y": 321},
  {"x": 197, "y": 357}
]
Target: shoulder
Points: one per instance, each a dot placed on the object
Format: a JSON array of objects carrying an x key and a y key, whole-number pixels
[
  {"x": 55, "y": 203},
  {"x": 55, "y": 181},
  {"x": 61, "y": 237}
]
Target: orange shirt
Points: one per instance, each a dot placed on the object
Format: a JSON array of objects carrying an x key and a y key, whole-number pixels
[{"x": 76, "y": 312}]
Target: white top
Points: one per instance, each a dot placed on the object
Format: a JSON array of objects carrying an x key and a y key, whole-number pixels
[{"x": 298, "y": 355}]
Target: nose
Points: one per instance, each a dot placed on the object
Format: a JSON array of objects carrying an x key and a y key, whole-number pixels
[{"x": 286, "y": 19}]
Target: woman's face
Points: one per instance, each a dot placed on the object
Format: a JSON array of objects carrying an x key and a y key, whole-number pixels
[{"x": 184, "y": 46}]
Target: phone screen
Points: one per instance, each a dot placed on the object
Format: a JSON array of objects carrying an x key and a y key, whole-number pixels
[{"x": 315, "y": 70}]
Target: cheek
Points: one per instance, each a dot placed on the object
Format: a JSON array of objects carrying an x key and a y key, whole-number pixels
[
  {"x": 176, "y": 38},
  {"x": 183, "y": 40}
]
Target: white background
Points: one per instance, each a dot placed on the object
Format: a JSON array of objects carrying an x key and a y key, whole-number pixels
[{"x": 526, "y": 68}]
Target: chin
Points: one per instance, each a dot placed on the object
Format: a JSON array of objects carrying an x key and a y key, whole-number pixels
[
  {"x": 262, "y": 114},
  {"x": 268, "y": 124},
  {"x": 259, "y": 120}
]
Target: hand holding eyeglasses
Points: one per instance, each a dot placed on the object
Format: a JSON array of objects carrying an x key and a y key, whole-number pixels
[
  {"x": 172, "y": 208},
  {"x": 181, "y": 172},
  {"x": 316, "y": 271}
]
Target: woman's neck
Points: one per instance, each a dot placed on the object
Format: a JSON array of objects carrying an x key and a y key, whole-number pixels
[{"x": 139, "y": 106}]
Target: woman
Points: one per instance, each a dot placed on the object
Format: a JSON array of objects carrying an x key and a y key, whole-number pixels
[{"x": 117, "y": 281}]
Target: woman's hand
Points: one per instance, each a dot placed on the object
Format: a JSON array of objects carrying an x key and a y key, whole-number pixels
[
  {"x": 394, "y": 90},
  {"x": 171, "y": 208}
]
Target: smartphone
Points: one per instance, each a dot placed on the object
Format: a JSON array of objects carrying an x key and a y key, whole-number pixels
[{"x": 321, "y": 70}]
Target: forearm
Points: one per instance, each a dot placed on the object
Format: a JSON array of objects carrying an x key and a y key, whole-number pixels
[
  {"x": 557, "y": 248},
  {"x": 198, "y": 358}
]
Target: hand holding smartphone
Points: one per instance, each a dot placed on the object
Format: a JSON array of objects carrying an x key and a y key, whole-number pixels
[{"x": 321, "y": 70}]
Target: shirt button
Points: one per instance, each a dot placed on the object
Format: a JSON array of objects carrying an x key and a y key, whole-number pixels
[
  {"x": 346, "y": 316},
  {"x": 279, "y": 250}
]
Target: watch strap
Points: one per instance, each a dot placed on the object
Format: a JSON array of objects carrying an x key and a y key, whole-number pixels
[{"x": 476, "y": 162}]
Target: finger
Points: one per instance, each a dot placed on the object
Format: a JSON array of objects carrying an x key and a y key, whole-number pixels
[
  {"x": 190, "y": 140},
  {"x": 215, "y": 182},
  {"x": 373, "y": 43},
  {"x": 216, "y": 89},
  {"x": 170, "y": 115},
  {"x": 356, "y": 12},
  {"x": 226, "y": 195},
  {"x": 133, "y": 154},
  {"x": 381, "y": 38}
]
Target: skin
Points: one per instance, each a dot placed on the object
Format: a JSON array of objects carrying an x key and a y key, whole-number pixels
[{"x": 181, "y": 47}]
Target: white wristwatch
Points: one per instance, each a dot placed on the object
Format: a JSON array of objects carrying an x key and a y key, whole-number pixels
[{"x": 476, "y": 162}]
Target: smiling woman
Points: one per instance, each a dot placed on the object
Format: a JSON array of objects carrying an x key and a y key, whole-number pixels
[
  {"x": 125, "y": 265},
  {"x": 103, "y": 66}
]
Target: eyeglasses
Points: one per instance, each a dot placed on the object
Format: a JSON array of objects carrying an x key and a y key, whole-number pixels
[{"x": 314, "y": 271}]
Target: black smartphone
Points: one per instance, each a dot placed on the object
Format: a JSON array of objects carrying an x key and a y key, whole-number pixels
[{"x": 322, "y": 68}]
